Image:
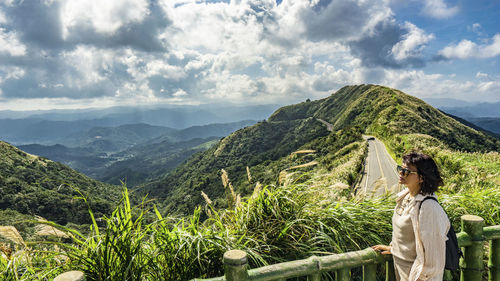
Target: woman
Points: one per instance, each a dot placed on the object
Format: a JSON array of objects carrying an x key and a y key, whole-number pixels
[{"x": 419, "y": 228}]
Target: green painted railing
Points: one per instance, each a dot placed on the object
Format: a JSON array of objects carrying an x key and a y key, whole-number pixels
[{"x": 471, "y": 239}]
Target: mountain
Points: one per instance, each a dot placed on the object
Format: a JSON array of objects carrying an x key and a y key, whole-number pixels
[
  {"x": 112, "y": 139},
  {"x": 33, "y": 130},
  {"x": 178, "y": 117},
  {"x": 266, "y": 147},
  {"x": 53, "y": 127},
  {"x": 480, "y": 124},
  {"x": 204, "y": 131},
  {"x": 84, "y": 160},
  {"x": 446, "y": 102},
  {"x": 491, "y": 124},
  {"x": 474, "y": 111},
  {"x": 112, "y": 154},
  {"x": 486, "y": 116},
  {"x": 37, "y": 186},
  {"x": 147, "y": 162}
]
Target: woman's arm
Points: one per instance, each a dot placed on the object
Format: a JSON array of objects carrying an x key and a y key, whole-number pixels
[{"x": 434, "y": 225}]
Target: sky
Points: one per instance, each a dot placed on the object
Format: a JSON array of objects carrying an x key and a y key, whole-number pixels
[{"x": 69, "y": 54}]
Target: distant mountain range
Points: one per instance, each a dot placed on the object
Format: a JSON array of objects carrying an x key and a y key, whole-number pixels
[
  {"x": 175, "y": 165},
  {"x": 447, "y": 102},
  {"x": 483, "y": 115},
  {"x": 53, "y": 127},
  {"x": 491, "y": 124},
  {"x": 112, "y": 154},
  {"x": 474, "y": 111}
]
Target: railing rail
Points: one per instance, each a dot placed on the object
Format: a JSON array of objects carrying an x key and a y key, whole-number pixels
[{"x": 471, "y": 239}]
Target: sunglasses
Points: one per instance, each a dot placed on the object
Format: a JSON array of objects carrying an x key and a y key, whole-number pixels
[{"x": 405, "y": 172}]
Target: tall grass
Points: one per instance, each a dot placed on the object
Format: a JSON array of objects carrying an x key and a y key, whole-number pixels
[
  {"x": 471, "y": 179},
  {"x": 309, "y": 213},
  {"x": 23, "y": 260}
]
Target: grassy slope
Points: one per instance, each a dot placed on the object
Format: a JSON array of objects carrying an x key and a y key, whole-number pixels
[
  {"x": 308, "y": 212},
  {"x": 146, "y": 162},
  {"x": 264, "y": 142},
  {"x": 37, "y": 186},
  {"x": 266, "y": 146}
]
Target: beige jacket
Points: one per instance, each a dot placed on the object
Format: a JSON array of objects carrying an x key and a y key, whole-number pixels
[{"x": 431, "y": 225}]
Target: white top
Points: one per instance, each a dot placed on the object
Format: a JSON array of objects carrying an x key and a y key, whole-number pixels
[
  {"x": 430, "y": 226},
  {"x": 403, "y": 234}
]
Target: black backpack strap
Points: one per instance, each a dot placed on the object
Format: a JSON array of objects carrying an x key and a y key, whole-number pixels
[{"x": 427, "y": 197}]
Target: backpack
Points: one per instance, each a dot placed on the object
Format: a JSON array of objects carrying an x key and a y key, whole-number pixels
[{"x": 453, "y": 252}]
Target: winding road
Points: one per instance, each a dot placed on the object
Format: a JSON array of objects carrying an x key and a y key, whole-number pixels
[{"x": 380, "y": 173}]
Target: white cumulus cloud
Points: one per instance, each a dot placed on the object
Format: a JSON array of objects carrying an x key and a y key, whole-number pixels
[
  {"x": 412, "y": 44},
  {"x": 467, "y": 49},
  {"x": 438, "y": 9},
  {"x": 10, "y": 44},
  {"x": 104, "y": 16}
]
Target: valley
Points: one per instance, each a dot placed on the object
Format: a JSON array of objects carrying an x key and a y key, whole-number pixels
[{"x": 280, "y": 188}]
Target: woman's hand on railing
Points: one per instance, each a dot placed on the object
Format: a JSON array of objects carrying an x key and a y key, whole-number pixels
[{"x": 383, "y": 249}]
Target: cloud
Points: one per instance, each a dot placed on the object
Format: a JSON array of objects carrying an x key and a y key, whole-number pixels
[
  {"x": 81, "y": 73},
  {"x": 392, "y": 45},
  {"x": 481, "y": 75},
  {"x": 466, "y": 49},
  {"x": 438, "y": 9},
  {"x": 56, "y": 25},
  {"x": 104, "y": 17},
  {"x": 197, "y": 51},
  {"x": 476, "y": 28},
  {"x": 10, "y": 44},
  {"x": 37, "y": 22},
  {"x": 422, "y": 85},
  {"x": 412, "y": 43},
  {"x": 3, "y": 18},
  {"x": 331, "y": 20},
  {"x": 134, "y": 24}
]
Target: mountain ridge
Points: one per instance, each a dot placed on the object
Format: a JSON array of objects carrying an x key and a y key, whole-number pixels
[{"x": 352, "y": 110}]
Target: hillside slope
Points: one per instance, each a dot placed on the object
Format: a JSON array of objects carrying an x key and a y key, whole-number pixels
[
  {"x": 266, "y": 147},
  {"x": 37, "y": 186},
  {"x": 146, "y": 162}
]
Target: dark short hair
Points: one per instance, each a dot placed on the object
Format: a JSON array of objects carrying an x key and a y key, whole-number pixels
[{"x": 427, "y": 170}]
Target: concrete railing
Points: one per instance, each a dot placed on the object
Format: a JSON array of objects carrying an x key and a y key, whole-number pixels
[{"x": 471, "y": 239}]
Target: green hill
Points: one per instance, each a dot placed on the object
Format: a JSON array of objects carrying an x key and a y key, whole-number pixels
[
  {"x": 266, "y": 147},
  {"x": 146, "y": 162},
  {"x": 37, "y": 186}
]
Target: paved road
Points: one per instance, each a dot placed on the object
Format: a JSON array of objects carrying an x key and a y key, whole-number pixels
[
  {"x": 380, "y": 173},
  {"x": 380, "y": 170},
  {"x": 329, "y": 126}
]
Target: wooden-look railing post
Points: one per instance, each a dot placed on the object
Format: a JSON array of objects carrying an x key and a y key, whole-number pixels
[
  {"x": 344, "y": 274},
  {"x": 390, "y": 275},
  {"x": 314, "y": 277},
  {"x": 235, "y": 265},
  {"x": 472, "y": 263},
  {"x": 317, "y": 275},
  {"x": 494, "y": 260},
  {"x": 370, "y": 272}
]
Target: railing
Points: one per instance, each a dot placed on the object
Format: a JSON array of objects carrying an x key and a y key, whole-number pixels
[{"x": 471, "y": 239}]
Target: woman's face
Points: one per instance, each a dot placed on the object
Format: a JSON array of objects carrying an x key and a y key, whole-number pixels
[{"x": 411, "y": 180}]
